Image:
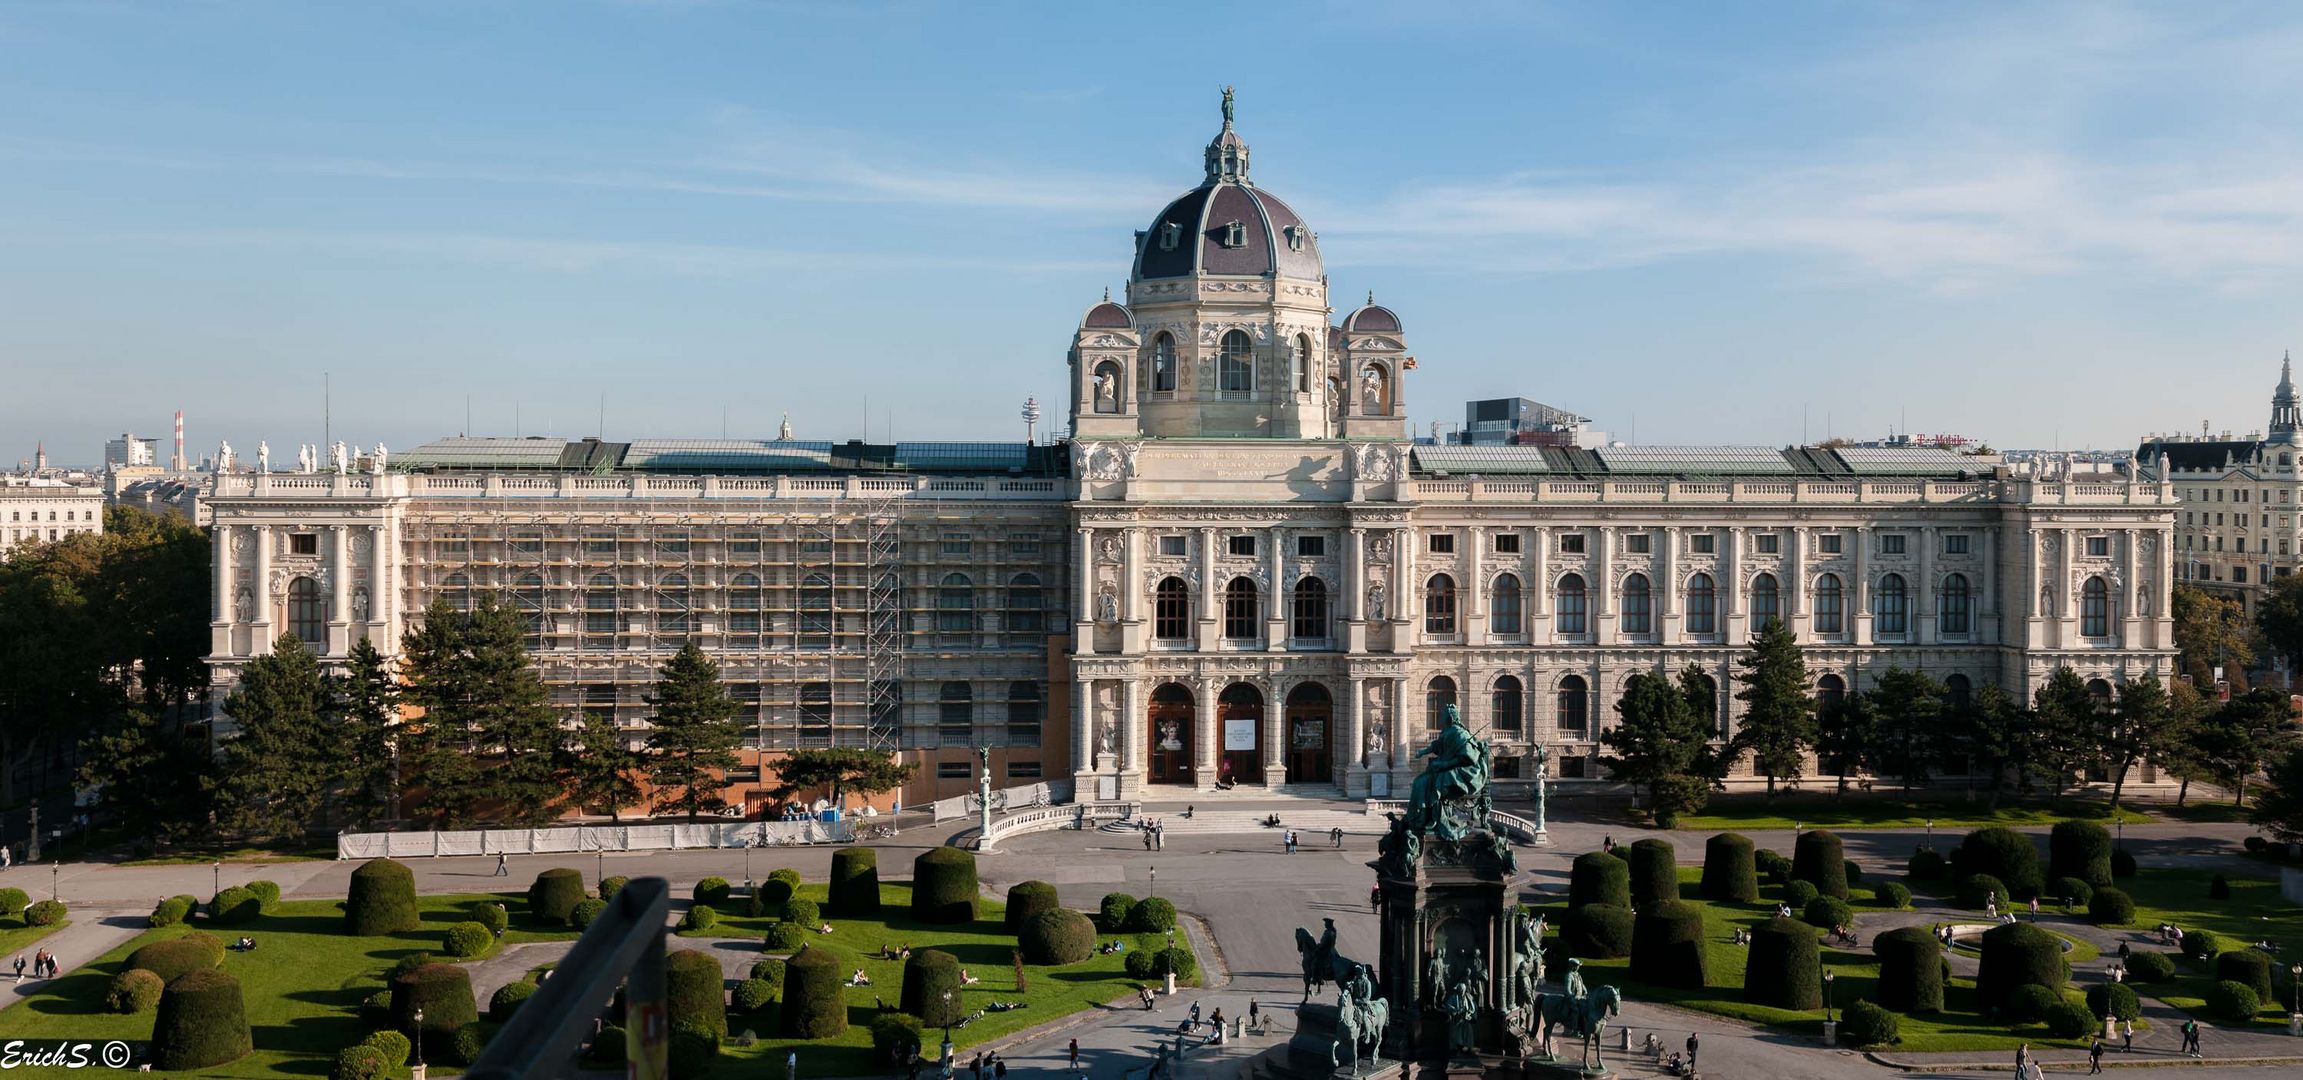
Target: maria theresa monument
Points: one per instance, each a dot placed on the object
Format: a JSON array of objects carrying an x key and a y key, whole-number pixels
[{"x": 1237, "y": 571}]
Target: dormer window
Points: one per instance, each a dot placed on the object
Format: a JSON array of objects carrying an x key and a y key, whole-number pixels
[
  {"x": 1170, "y": 234},
  {"x": 1295, "y": 237},
  {"x": 1234, "y": 234}
]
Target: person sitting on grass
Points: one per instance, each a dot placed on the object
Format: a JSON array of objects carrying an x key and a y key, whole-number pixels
[
  {"x": 824, "y": 929},
  {"x": 246, "y": 944},
  {"x": 967, "y": 979},
  {"x": 859, "y": 978}
]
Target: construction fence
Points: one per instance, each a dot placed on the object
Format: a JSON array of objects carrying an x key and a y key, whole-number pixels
[{"x": 586, "y": 839}]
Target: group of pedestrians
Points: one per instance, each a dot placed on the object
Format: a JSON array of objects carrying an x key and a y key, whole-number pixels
[
  {"x": 1155, "y": 834},
  {"x": 43, "y": 965}
]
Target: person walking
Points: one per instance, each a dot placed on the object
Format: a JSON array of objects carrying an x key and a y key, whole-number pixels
[
  {"x": 503, "y": 865},
  {"x": 2127, "y": 1036},
  {"x": 792, "y": 1065},
  {"x": 1691, "y": 1044},
  {"x": 2022, "y": 1058},
  {"x": 1075, "y": 1055},
  {"x": 1375, "y": 898},
  {"x": 1159, "y": 836},
  {"x": 976, "y": 1067},
  {"x": 999, "y": 1067},
  {"x": 2095, "y": 1057},
  {"x": 1253, "y": 1012},
  {"x": 1336, "y": 834},
  {"x": 19, "y": 967},
  {"x": 2190, "y": 1038},
  {"x": 1147, "y": 836}
]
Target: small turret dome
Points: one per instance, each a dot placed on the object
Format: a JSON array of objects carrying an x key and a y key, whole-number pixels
[
  {"x": 1107, "y": 316},
  {"x": 1371, "y": 317}
]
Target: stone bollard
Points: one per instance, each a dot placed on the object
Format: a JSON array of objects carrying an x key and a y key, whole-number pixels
[
  {"x": 1831, "y": 1033},
  {"x": 1170, "y": 983},
  {"x": 2295, "y": 1024}
]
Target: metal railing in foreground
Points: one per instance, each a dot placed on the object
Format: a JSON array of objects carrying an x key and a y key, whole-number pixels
[{"x": 624, "y": 946}]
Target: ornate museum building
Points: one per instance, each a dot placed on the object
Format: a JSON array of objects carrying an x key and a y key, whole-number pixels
[{"x": 1237, "y": 571}]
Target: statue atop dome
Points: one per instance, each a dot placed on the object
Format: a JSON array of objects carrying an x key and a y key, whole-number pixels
[{"x": 1227, "y": 107}]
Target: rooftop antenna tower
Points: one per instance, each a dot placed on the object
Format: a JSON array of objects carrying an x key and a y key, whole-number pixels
[
  {"x": 1031, "y": 421},
  {"x": 176, "y": 463}
]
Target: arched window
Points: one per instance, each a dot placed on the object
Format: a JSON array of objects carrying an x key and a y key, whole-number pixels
[
  {"x": 1302, "y": 364},
  {"x": 1109, "y": 389},
  {"x": 1894, "y": 605},
  {"x": 457, "y": 589},
  {"x": 1026, "y": 613},
  {"x": 1439, "y": 605},
  {"x": 2099, "y": 692},
  {"x": 1638, "y": 613},
  {"x": 2094, "y": 608},
  {"x": 307, "y": 613},
  {"x": 1573, "y": 606},
  {"x": 600, "y": 600},
  {"x": 744, "y": 603},
  {"x": 1171, "y": 610},
  {"x": 672, "y": 605},
  {"x": 1374, "y": 399},
  {"x": 1830, "y": 605},
  {"x": 1955, "y": 616},
  {"x": 955, "y": 605},
  {"x": 1830, "y": 690},
  {"x": 1574, "y": 704},
  {"x": 1310, "y": 610},
  {"x": 528, "y": 600},
  {"x": 1702, "y": 605},
  {"x": 1241, "y": 612},
  {"x": 956, "y": 714},
  {"x": 1163, "y": 364},
  {"x": 815, "y": 622},
  {"x": 600, "y": 592},
  {"x": 1958, "y": 691},
  {"x": 1503, "y": 605},
  {"x": 1766, "y": 602},
  {"x": 1505, "y": 704},
  {"x": 1335, "y": 398},
  {"x": 1437, "y": 695},
  {"x": 1027, "y": 710},
  {"x": 1235, "y": 364}
]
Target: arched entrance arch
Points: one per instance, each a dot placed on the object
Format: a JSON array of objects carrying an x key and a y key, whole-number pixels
[
  {"x": 1239, "y": 723},
  {"x": 1169, "y": 732},
  {"x": 1310, "y": 727}
]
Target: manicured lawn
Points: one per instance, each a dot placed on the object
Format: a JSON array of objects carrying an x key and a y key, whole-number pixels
[
  {"x": 1860, "y": 811},
  {"x": 1855, "y": 976},
  {"x": 984, "y": 948},
  {"x": 15, "y": 936},
  {"x": 2200, "y": 811},
  {"x": 302, "y": 984},
  {"x": 2254, "y": 912}
]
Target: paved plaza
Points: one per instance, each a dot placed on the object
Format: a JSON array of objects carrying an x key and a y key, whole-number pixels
[{"x": 1245, "y": 898}]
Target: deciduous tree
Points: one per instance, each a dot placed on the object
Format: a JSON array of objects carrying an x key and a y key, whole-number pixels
[
  {"x": 2069, "y": 732},
  {"x": 841, "y": 769},
  {"x": 2211, "y": 631},
  {"x": 2279, "y": 619}
]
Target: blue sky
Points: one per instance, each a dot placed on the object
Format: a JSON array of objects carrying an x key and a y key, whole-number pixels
[{"x": 2041, "y": 224}]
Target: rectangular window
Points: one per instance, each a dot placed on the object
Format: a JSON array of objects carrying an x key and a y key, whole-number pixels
[
  {"x": 1636, "y": 543},
  {"x": 599, "y": 543},
  {"x": 1507, "y": 543},
  {"x": 1955, "y": 544},
  {"x": 2239, "y": 575},
  {"x": 674, "y": 544},
  {"x": 1828, "y": 543},
  {"x": 1310, "y": 547},
  {"x": 1701, "y": 544},
  {"x": 1571, "y": 768},
  {"x": 2098, "y": 546},
  {"x": 1023, "y": 770},
  {"x": 955, "y": 544},
  {"x": 1240, "y": 545},
  {"x": 1891, "y": 543},
  {"x": 1767, "y": 543},
  {"x": 951, "y": 770},
  {"x": 744, "y": 544},
  {"x": 1024, "y": 544},
  {"x": 1442, "y": 543},
  {"x": 1571, "y": 543},
  {"x": 298, "y": 543},
  {"x": 528, "y": 542},
  {"x": 1175, "y": 545}
]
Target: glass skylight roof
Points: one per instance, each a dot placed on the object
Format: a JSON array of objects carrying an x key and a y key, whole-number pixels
[
  {"x": 484, "y": 453},
  {"x": 945, "y": 456},
  {"x": 1696, "y": 460},
  {"x": 1472, "y": 460},
  {"x": 690, "y": 454},
  {"x": 1907, "y": 460}
]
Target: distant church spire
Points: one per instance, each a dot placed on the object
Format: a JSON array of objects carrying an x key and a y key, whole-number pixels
[
  {"x": 2286, "y": 414},
  {"x": 784, "y": 433}
]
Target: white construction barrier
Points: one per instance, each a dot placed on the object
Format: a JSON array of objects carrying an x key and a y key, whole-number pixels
[{"x": 584, "y": 839}]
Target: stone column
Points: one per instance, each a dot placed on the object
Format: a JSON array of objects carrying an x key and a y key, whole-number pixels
[
  {"x": 1083, "y": 739},
  {"x": 1275, "y": 733},
  {"x": 1925, "y": 587},
  {"x": 1354, "y": 587},
  {"x": 1795, "y": 585},
  {"x": 1275, "y": 613},
  {"x": 220, "y": 565},
  {"x": 1407, "y": 591},
  {"x": 339, "y": 589},
  {"x": 2131, "y": 574},
  {"x": 1730, "y": 618},
  {"x": 1083, "y": 593},
  {"x": 1207, "y": 742},
  {"x": 1988, "y": 630},
  {"x": 1538, "y": 593},
  {"x": 380, "y": 591},
  {"x": 260, "y": 632},
  {"x": 1859, "y": 590},
  {"x": 1131, "y": 587},
  {"x": 1355, "y": 729},
  {"x": 1210, "y": 598},
  {"x": 1474, "y": 609},
  {"x": 1600, "y": 606}
]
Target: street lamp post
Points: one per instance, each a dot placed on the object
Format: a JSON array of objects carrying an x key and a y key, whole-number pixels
[
  {"x": 599, "y": 865},
  {"x": 418, "y": 1034},
  {"x": 2295, "y": 986},
  {"x": 216, "y": 878},
  {"x": 1827, "y": 997},
  {"x": 1155, "y": 881},
  {"x": 1930, "y": 834},
  {"x": 55, "y": 880}
]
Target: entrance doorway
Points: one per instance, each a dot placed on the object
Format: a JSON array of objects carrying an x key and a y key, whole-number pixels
[
  {"x": 1310, "y": 714},
  {"x": 1169, "y": 731},
  {"x": 1239, "y": 722}
]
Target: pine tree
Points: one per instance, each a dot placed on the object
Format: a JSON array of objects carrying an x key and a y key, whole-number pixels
[
  {"x": 2069, "y": 733},
  {"x": 370, "y": 699},
  {"x": 513, "y": 719},
  {"x": 1779, "y": 716},
  {"x": 1908, "y": 736},
  {"x": 842, "y": 769},
  {"x": 2188, "y": 709},
  {"x": 600, "y": 767},
  {"x": 2279, "y": 806},
  {"x": 439, "y": 750},
  {"x": 1662, "y": 744},
  {"x": 694, "y": 734},
  {"x": 2141, "y": 727},
  {"x": 289, "y": 754},
  {"x": 1996, "y": 736},
  {"x": 1844, "y": 735}
]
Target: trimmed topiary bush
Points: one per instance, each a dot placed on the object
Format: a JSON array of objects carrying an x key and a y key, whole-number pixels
[
  {"x": 1977, "y": 890},
  {"x": 695, "y": 991},
  {"x": 713, "y": 891},
  {"x": 1598, "y": 931},
  {"x": 393, "y": 1045},
  {"x": 1667, "y": 944},
  {"x": 1925, "y": 865},
  {"x": 1151, "y": 915},
  {"x": 2219, "y": 888},
  {"x": 2236, "y": 1002},
  {"x": 2073, "y": 892},
  {"x": 133, "y": 991},
  {"x": 1826, "y": 912},
  {"x": 790, "y": 877},
  {"x": 607, "y": 1047},
  {"x": 944, "y": 886},
  {"x": 376, "y": 1008},
  {"x": 554, "y": 896},
  {"x": 609, "y": 885},
  {"x": 752, "y": 996},
  {"x": 700, "y": 917},
  {"x": 854, "y": 890},
  {"x": 2122, "y": 864},
  {"x": 2115, "y": 1000},
  {"x": 774, "y": 892},
  {"x": 2004, "y": 854},
  {"x": 586, "y": 910},
  {"x": 466, "y": 940},
  {"x": 932, "y": 987},
  {"x": 2079, "y": 849},
  {"x": 771, "y": 972},
  {"x": 1026, "y": 899},
  {"x": 2153, "y": 967},
  {"x": 1112, "y": 911},
  {"x": 2246, "y": 966},
  {"x": 788, "y": 937},
  {"x": 13, "y": 900},
  {"x": 361, "y": 1062},
  {"x": 1891, "y": 895},
  {"x": 444, "y": 993},
  {"x": 895, "y": 1035},
  {"x": 179, "y": 955},
  {"x": 2110, "y": 907},
  {"x": 1772, "y": 865},
  {"x": 1865, "y": 1024},
  {"x": 233, "y": 906},
  {"x": 2028, "y": 1003},
  {"x": 815, "y": 1001},
  {"x": 691, "y": 1050},
  {"x": 267, "y": 892},
  {"x": 1816, "y": 858},
  {"x": 1599, "y": 878},
  {"x": 1854, "y": 874},
  {"x": 1783, "y": 966},
  {"x": 2068, "y": 1020},
  {"x": 44, "y": 913},
  {"x": 1910, "y": 970},
  {"x": 1729, "y": 874},
  {"x": 803, "y": 912},
  {"x": 466, "y": 1043},
  {"x": 2015, "y": 954},
  {"x": 1654, "y": 866},
  {"x": 201, "y": 1022},
  {"x": 492, "y": 915},
  {"x": 380, "y": 900},
  {"x": 171, "y": 911},
  {"x": 1056, "y": 937},
  {"x": 507, "y": 1000},
  {"x": 1799, "y": 894},
  {"x": 2201, "y": 945}
]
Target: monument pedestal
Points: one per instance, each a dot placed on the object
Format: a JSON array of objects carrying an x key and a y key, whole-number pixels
[{"x": 1444, "y": 915}]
